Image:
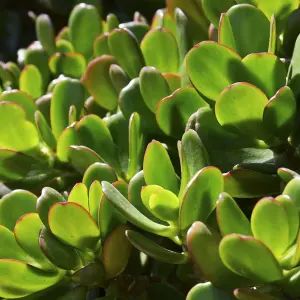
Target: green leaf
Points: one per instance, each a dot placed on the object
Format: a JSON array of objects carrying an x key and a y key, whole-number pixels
[
  {"x": 70, "y": 64},
  {"x": 239, "y": 109},
  {"x": 12, "y": 249},
  {"x": 27, "y": 231},
  {"x": 114, "y": 260},
  {"x": 131, "y": 213},
  {"x": 210, "y": 75},
  {"x": 66, "y": 93},
  {"x": 85, "y": 26},
  {"x": 36, "y": 55},
  {"x": 131, "y": 100},
  {"x": 100, "y": 45},
  {"x": 255, "y": 261},
  {"x": 280, "y": 113},
  {"x": 136, "y": 145},
  {"x": 230, "y": 217},
  {"x": 14, "y": 205},
  {"x": 193, "y": 157},
  {"x": 76, "y": 293},
  {"x": 98, "y": 82},
  {"x": 160, "y": 49},
  {"x": 82, "y": 157},
  {"x": 136, "y": 187},
  {"x": 150, "y": 78},
  {"x": 45, "y": 33},
  {"x": 292, "y": 189},
  {"x": 225, "y": 33},
  {"x": 112, "y": 22},
  {"x": 22, "y": 99},
  {"x": 31, "y": 81},
  {"x": 132, "y": 60},
  {"x": 286, "y": 174},
  {"x": 48, "y": 198},
  {"x": 100, "y": 172},
  {"x": 108, "y": 216},
  {"x": 291, "y": 210},
  {"x": 251, "y": 36},
  {"x": 280, "y": 9},
  {"x": 154, "y": 250},
  {"x": 63, "y": 223},
  {"x": 92, "y": 275},
  {"x": 273, "y": 35},
  {"x": 146, "y": 193},
  {"x": 67, "y": 138},
  {"x": 23, "y": 279},
  {"x": 13, "y": 119},
  {"x": 15, "y": 165},
  {"x": 174, "y": 81},
  {"x": 156, "y": 155},
  {"x": 265, "y": 71},
  {"x": 173, "y": 112},
  {"x": 203, "y": 247},
  {"x": 200, "y": 197},
  {"x": 79, "y": 195},
  {"x": 213, "y": 9},
  {"x": 61, "y": 255},
  {"x": 95, "y": 193},
  {"x": 269, "y": 224},
  {"x": 250, "y": 184},
  {"x": 45, "y": 130},
  {"x": 64, "y": 46},
  {"x": 118, "y": 77},
  {"x": 139, "y": 29},
  {"x": 207, "y": 291},
  {"x": 164, "y": 205},
  {"x": 93, "y": 133}
]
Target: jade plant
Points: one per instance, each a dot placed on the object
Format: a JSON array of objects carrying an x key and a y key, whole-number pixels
[{"x": 153, "y": 160}]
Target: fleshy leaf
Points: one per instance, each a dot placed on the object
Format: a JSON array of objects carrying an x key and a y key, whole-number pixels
[
  {"x": 131, "y": 213},
  {"x": 14, "y": 205},
  {"x": 31, "y": 81},
  {"x": 250, "y": 184},
  {"x": 23, "y": 279},
  {"x": 27, "y": 231},
  {"x": 269, "y": 224},
  {"x": 48, "y": 198},
  {"x": 99, "y": 83},
  {"x": 132, "y": 60},
  {"x": 255, "y": 261},
  {"x": 66, "y": 93},
  {"x": 156, "y": 155},
  {"x": 280, "y": 112},
  {"x": 160, "y": 50},
  {"x": 61, "y": 255},
  {"x": 239, "y": 109},
  {"x": 85, "y": 26},
  {"x": 210, "y": 81},
  {"x": 79, "y": 195},
  {"x": 173, "y": 112},
  {"x": 200, "y": 197},
  {"x": 114, "y": 260},
  {"x": 150, "y": 78},
  {"x": 154, "y": 250},
  {"x": 203, "y": 247},
  {"x": 100, "y": 172},
  {"x": 62, "y": 221},
  {"x": 45, "y": 33},
  {"x": 230, "y": 217},
  {"x": 22, "y": 99}
]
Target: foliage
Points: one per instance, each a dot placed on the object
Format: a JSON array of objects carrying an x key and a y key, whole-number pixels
[{"x": 154, "y": 161}]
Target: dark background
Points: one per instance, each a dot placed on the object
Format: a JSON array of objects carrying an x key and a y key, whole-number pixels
[{"x": 17, "y": 29}]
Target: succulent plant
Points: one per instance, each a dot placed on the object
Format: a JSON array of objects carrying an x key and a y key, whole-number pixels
[{"x": 154, "y": 160}]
